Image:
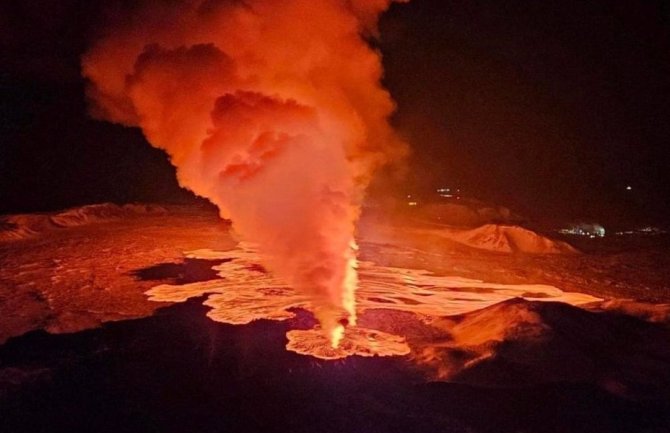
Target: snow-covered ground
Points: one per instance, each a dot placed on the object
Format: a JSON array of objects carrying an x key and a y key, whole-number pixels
[
  {"x": 452, "y": 300},
  {"x": 72, "y": 277}
]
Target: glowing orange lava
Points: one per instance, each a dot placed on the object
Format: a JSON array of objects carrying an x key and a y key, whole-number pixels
[{"x": 245, "y": 292}]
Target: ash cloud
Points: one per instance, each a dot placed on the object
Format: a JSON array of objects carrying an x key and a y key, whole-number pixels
[{"x": 272, "y": 110}]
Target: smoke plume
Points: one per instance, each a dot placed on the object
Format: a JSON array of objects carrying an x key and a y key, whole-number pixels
[{"x": 273, "y": 110}]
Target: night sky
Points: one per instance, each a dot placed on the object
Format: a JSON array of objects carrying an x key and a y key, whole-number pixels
[{"x": 551, "y": 108}]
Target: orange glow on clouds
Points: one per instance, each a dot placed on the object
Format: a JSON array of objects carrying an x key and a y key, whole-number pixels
[{"x": 273, "y": 110}]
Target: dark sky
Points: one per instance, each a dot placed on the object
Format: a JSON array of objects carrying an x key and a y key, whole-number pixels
[
  {"x": 547, "y": 107},
  {"x": 544, "y": 105}
]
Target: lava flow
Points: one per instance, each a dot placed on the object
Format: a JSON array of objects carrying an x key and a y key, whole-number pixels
[
  {"x": 245, "y": 292},
  {"x": 273, "y": 111}
]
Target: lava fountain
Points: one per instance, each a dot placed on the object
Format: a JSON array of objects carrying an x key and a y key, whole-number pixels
[{"x": 272, "y": 110}]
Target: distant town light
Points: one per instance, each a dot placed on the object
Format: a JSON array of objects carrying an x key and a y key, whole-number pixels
[
  {"x": 412, "y": 203},
  {"x": 585, "y": 229},
  {"x": 628, "y": 188}
]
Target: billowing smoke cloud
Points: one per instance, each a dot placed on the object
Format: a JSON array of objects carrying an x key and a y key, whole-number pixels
[{"x": 273, "y": 110}]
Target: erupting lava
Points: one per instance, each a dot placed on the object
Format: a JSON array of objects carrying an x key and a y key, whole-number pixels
[
  {"x": 273, "y": 110},
  {"x": 244, "y": 292}
]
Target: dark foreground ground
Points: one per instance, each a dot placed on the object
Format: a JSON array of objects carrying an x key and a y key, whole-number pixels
[
  {"x": 83, "y": 350},
  {"x": 178, "y": 371}
]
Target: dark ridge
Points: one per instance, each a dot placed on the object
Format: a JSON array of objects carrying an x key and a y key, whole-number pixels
[{"x": 178, "y": 371}]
